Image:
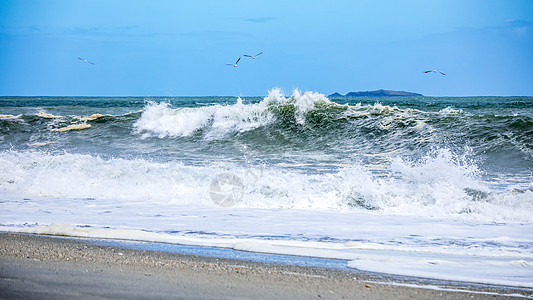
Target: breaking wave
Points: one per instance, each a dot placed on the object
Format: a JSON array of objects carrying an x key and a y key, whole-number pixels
[{"x": 440, "y": 185}]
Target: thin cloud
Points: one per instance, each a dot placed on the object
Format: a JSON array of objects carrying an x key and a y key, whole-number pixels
[
  {"x": 260, "y": 19},
  {"x": 520, "y": 27},
  {"x": 218, "y": 35},
  {"x": 99, "y": 30}
]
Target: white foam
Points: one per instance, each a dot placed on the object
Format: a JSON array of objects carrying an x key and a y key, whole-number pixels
[
  {"x": 303, "y": 103},
  {"x": 441, "y": 288},
  {"x": 159, "y": 119},
  {"x": 432, "y": 217},
  {"x": 511, "y": 272},
  {"x": 281, "y": 212},
  {"x": 8, "y": 116},
  {"x": 494, "y": 266},
  {"x": 37, "y": 174},
  {"x": 450, "y": 111},
  {"x": 72, "y": 127},
  {"x": 440, "y": 185},
  {"x": 42, "y": 114},
  {"x": 93, "y": 117}
]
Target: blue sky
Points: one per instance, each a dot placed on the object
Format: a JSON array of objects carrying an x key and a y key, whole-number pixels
[{"x": 181, "y": 48}]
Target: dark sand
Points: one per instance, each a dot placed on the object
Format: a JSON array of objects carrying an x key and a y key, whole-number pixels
[{"x": 42, "y": 267}]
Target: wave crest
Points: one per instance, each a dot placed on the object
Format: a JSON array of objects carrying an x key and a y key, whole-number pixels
[{"x": 161, "y": 120}]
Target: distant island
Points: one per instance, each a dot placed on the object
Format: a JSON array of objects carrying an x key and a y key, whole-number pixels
[{"x": 378, "y": 93}]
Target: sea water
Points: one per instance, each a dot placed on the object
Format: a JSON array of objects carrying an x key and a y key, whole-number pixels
[{"x": 436, "y": 187}]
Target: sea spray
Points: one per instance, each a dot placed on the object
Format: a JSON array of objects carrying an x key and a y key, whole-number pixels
[
  {"x": 163, "y": 121},
  {"x": 436, "y": 187}
]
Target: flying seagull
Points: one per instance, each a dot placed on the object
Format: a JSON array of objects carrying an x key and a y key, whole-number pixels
[
  {"x": 253, "y": 56},
  {"x": 85, "y": 60},
  {"x": 434, "y": 71},
  {"x": 234, "y": 65}
]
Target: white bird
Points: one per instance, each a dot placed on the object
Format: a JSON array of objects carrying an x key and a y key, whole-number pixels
[
  {"x": 85, "y": 60},
  {"x": 235, "y": 64},
  {"x": 253, "y": 56},
  {"x": 434, "y": 71}
]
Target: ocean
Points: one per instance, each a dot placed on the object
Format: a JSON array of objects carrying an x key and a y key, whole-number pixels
[{"x": 434, "y": 187}]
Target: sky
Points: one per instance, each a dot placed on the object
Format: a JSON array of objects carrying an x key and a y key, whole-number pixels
[{"x": 181, "y": 48}]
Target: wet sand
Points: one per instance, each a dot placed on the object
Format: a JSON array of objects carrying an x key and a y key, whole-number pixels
[{"x": 43, "y": 267}]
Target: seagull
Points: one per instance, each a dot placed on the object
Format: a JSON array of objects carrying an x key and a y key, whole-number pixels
[
  {"x": 85, "y": 60},
  {"x": 253, "y": 56},
  {"x": 234, "y": 65},
  {"x": 434, "y": 71}
]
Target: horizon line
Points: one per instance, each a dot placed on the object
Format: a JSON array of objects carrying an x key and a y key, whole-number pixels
[{"x": 190, "y": 96}]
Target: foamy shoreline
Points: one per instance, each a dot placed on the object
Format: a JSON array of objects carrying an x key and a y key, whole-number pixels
[{"x": 37, "y": 266}]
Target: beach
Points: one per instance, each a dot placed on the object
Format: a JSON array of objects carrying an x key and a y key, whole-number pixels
[{"x": 37, "y": 266}]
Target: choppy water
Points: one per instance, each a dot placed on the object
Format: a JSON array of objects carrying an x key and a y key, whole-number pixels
[{"x": 361, "y": 179}]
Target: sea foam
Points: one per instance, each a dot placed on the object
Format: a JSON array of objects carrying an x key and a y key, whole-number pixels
[
  {"x": 451, "y": 256},
  {"x": 437, "y": 186},
  {"x": 161, "y": 120}
]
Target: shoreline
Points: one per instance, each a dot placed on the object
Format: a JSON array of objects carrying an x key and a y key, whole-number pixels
[{"x": 38, "y": 266}]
